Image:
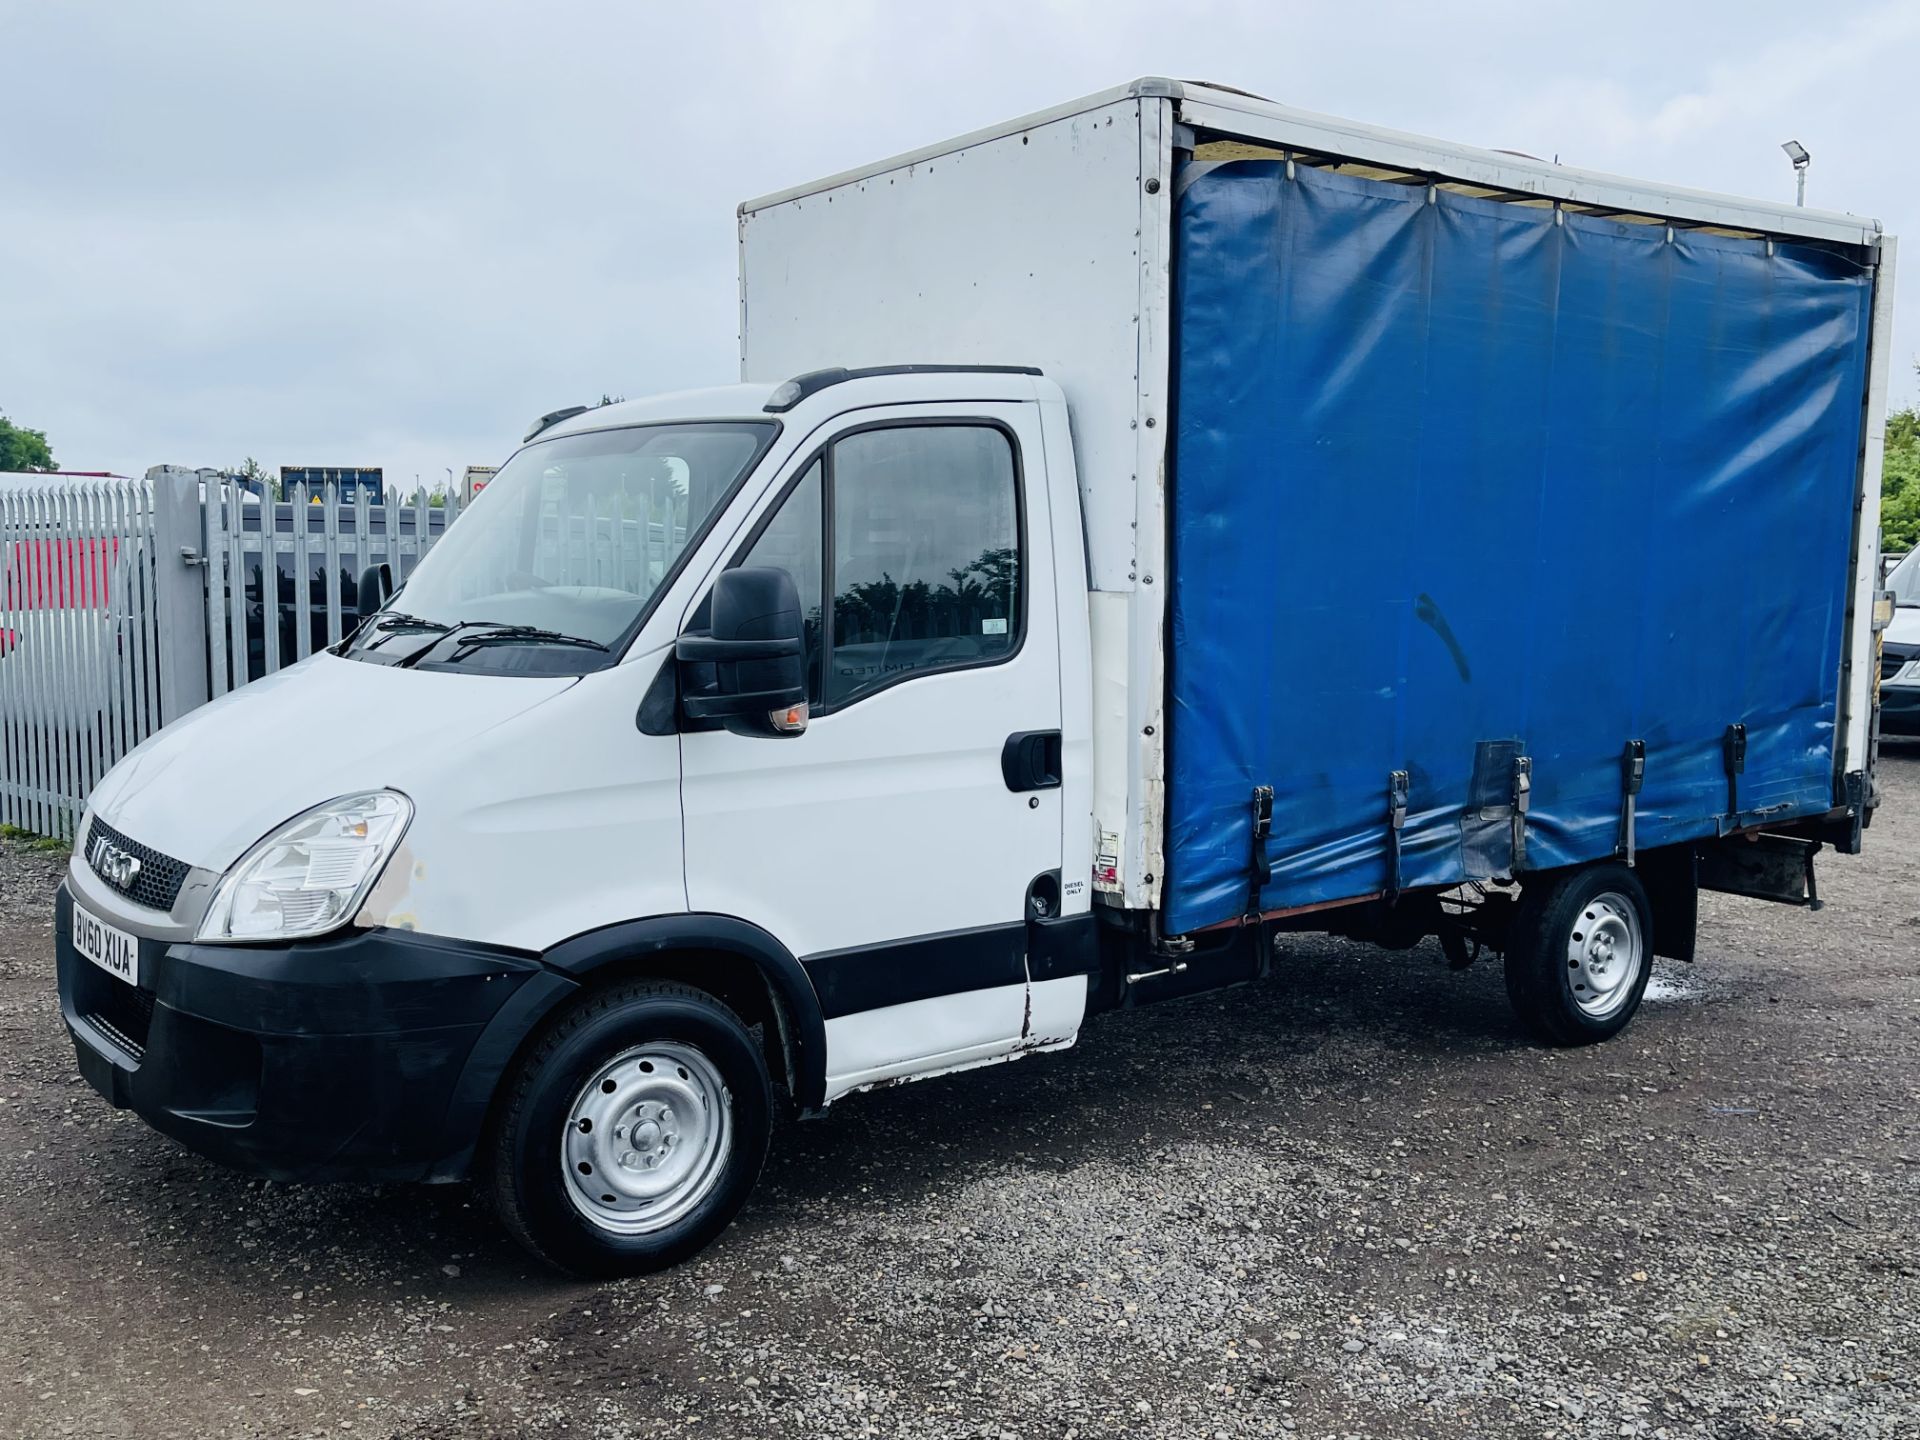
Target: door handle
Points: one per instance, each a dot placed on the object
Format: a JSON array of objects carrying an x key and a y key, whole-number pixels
[{"x": 1030, "y": 760}]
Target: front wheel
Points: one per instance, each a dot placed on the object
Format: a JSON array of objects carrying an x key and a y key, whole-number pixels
[
  {"x": 631, "y": 1135},
  {"x": 1580, "y": 953}
]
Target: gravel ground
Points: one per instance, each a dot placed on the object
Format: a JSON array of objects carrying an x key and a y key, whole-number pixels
[{"x": 1351, "y": 1201}]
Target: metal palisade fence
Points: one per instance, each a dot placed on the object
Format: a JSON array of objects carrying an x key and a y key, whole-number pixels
[
  {"x": 79, "y": 641},
  {"x": 283, "y": 576},
  {"x": 126, "y": 603}
]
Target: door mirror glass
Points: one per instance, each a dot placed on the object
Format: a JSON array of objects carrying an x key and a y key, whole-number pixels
[{"x": 755, "y": 646}]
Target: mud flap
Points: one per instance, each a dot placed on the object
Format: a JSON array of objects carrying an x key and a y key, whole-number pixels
[{"x": 1671, "y": 877}]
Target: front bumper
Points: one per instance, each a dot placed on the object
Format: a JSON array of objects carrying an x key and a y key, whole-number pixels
[
  {"x": 369, "y": 1055},
  {"x": 1900, "y": 710}
]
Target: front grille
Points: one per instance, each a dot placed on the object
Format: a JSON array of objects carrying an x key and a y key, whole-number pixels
[
  {"x": 1893, "y": 658},
  {"x": 123, "y": 1014},
  {"x": 157, "y": 885}
]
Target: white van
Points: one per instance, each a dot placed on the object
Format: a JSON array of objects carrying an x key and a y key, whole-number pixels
[
  {"x": 1008, "y": 656},
  {"x": 1900, "y": 653}
]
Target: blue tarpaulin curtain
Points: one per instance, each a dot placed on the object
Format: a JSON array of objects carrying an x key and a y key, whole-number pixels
[{"x": 1449, "y": 471}]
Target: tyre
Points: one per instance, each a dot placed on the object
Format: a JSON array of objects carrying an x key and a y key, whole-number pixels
[
  {"x": 632, "y": 1133},
  {"x": 1580, "y": 953}
]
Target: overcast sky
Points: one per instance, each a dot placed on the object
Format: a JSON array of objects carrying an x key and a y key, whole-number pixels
[{"x": 347, "y": 233}]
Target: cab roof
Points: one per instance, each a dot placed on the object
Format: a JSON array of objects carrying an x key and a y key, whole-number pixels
[
  {"x": 714, "y": 402},
  {"x": 807, "y": 397}
]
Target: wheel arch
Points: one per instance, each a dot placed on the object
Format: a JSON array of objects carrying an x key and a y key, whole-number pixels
[{"x": 720, "y": 954}]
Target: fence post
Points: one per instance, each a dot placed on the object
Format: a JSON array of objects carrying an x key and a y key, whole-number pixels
[{"x": 180, "y": 606}]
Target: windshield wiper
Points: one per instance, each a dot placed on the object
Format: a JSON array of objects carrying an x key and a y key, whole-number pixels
[
  {"x": 386, "y": 624},
  {"x": 524, "y": 635},
  {"x": 400, "y": 620},
  {"x": 496, "y": 631}
]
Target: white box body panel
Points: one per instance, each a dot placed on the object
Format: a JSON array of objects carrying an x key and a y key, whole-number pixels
[{"x": 1042, "y": 246}]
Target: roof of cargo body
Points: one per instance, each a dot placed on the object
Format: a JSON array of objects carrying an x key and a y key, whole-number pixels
[{"x": 1225, "y": 112}]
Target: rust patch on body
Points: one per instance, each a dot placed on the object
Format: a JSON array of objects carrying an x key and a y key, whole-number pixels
[{"x": 390, "y": 902}]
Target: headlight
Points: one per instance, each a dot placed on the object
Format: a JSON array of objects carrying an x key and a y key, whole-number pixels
[{"x": 311, "y": 874}]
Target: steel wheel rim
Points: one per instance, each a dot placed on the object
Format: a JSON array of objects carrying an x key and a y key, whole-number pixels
[
  {"x": 1605, "y": 955},
  {"x": 647, "y": 1138}
]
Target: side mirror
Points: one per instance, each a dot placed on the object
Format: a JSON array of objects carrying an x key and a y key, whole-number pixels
[
  {"x": 756, "y": 644},
  {"x": 375, "y": 589}
]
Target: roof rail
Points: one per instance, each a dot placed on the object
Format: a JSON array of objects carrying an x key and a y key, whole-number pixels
[
  {"x": 790, "y": 394},
  {"x": 553, "y": 418}
]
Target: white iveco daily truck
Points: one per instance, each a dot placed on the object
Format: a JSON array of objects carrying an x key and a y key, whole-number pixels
[{"x": 1143, "y": 529}]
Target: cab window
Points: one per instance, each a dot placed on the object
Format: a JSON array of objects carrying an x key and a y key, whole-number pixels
[{"x": 922, "y": 527}]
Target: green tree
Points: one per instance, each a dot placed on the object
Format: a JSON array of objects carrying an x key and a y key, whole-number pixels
[
  {"x": 23, "y": 449},
  {"x": 1900, "y": 481}
]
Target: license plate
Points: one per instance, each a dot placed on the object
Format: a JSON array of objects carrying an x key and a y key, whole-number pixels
[{"x": 114, "y": 951}]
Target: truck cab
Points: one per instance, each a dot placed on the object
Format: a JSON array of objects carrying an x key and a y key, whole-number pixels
[{"x": 780, "y": 692}]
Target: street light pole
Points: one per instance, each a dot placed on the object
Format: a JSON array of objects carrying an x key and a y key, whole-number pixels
[{"x": 1797, "y": 153}]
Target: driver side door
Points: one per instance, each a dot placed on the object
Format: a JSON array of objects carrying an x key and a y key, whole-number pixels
[{"x": 888, "y": 846}]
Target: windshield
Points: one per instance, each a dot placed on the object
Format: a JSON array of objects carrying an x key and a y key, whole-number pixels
[
  {"x": 571, "y": 540},
  {"x": 1905, "y": 579}
]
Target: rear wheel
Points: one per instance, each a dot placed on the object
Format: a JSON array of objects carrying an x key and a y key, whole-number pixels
[
  {"x": 632, "y": 1134},
  {"x": 1580, "y": 953}
]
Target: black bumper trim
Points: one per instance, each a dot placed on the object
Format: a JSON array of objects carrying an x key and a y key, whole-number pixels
[
  {"x": 367, "y": 1055},
  {"x": 1900, "y": 710}
]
